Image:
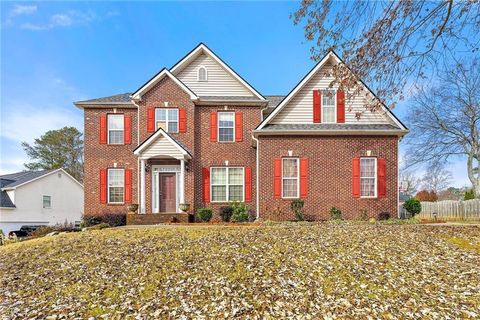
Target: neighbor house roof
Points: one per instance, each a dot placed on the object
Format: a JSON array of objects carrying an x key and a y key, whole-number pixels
[
  {"x": 22, "y": 177},
  {"x": 5, "y": 201}
]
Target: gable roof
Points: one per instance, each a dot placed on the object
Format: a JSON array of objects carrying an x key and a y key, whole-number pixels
[
  {"x": 153, "y": 137},
  {"x": 5, "y": 201},
  {"x": 307, "y": 78},
  {"x": 202, "y": 48},
  {"x": 154, "y": 80},
  {"x": 122, "y": 98},
  {"x": 14, "y": 180}
]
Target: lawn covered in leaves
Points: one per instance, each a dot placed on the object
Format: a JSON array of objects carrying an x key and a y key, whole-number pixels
[{"x": 325, "y": 271}]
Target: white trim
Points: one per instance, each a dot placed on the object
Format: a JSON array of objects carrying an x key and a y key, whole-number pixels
[
  {"x": 334, "y": 106},
  {"x": 47, "y": 174},
  {"x": 198, "y": 73},
  {"x": 167, "y": 121},
  {"x": 330, "y": 132},
  {"x": 257, "y": 174},
  {"x": 227, "y": 184},
  {"x": 218, "y": 126},
  {"x": 108, "y": 185},
  {"x": 375, "y": 177},
  {"x": 49, "y": 201},
  {"x": 297, "y": 178},
  {"x": 154, "y": 137},
  {"x": 142, "y": 186},
  {"x": 179, "y": 66},
  {"x": 138, "y": 94},
  {"x": 156, "y": 172}
]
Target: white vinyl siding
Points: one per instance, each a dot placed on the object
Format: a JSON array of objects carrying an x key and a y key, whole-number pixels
[
  {"x": 115, "y": 128},
  {"x": 290, "y": 178},
  {"x": 116, "y": 185},
  {"x": 161, "y": 147},
  {"x": 219, "y": 81},
  {"x": 227, "y": 184},
  {"x": 300, "y": 108},
  {"x": 368, "y": 177}
]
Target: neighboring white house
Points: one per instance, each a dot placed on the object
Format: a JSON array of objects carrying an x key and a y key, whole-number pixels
[{"x": 39, "y": 198}]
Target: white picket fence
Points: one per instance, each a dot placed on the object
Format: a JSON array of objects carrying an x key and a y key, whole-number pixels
[{"x": 449, "y": 210}]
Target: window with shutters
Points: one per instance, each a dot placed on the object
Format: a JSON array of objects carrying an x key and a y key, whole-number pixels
[
  {"x": 290, "y": 177},
  {"x": 47, "y": 202},
  {"x": 226, "y": 126},
  {"x": 116, "y": 185},
  {"x": 115, "y": 128},
  {"x": 202, "y": 74},
  {"x": 167, "y": 119},
  {"x": 329, "y": 110},
  {"x": 227, "y": 184},
  {"x": 368, "y": 177}
]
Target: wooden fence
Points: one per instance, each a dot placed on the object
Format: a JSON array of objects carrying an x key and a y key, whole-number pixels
[{"x": 448, "y": 210}]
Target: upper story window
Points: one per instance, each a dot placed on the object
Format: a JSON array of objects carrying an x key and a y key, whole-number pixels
[
  {"x": 227, "y": 184},
  {"x": 115, "y": 128},
  {"x": 368, "y": 177},
  {"x": 202, "y": 74},
  {"x": 226, "y": 126},
  {"x": 329, "y": 113},
  {"x": 116, "y": 185},
  {"x": 167, "y": 119},
  {"x": 47, "y": 202},
  {"x": 290, "y": 177}
]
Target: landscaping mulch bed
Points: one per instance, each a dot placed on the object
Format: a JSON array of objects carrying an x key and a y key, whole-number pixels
[{"x": 326, "y": 271}]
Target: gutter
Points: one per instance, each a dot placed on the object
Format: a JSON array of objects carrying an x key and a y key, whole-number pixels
[{"x": 399, "y": 133}]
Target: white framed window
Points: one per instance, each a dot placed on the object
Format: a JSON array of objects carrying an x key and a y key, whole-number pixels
[
  {"x": 368, "y": 177},
  {"x": 202, "y": 74},
  {"x": 329, "y": 106},
  {"x": 226, "y": 126},
  {"x": 47, "y": 202},
  {"x": 167, "y": 119},
  {"x": 115, "y": 128},
  {"x": 116, "y": 185},
  {"x": 290, "y": 178},
  {"x": 227, "y": 184}
]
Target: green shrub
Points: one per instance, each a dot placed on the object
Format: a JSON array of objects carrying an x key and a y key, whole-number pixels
[
  {"x": 413, "y": 206},
  {"x": 335, "y": 214},
  {"x": 112, "y": 219},
  {"x": 226, "y": 213},
  {"x": 469, "y": 195},
  {"x": 297, "y": 208},
  {"x": 204, "y": 214},
  {"x": 362, "y": 215},
  {"x": 240, "y": 211}
]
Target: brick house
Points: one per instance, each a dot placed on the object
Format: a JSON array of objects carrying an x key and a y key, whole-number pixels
[{"x": 198, "y": 133}]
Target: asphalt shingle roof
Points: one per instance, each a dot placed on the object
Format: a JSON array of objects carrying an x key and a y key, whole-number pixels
[
  {"x": 329, "y": 127},
  {"x": 117, "y": 98}
]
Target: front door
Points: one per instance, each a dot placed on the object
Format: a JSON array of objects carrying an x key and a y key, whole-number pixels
[{"x": 167, "y": 192}]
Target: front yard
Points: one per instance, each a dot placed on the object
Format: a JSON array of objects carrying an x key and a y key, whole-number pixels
[{"x": 282, "y": 271}]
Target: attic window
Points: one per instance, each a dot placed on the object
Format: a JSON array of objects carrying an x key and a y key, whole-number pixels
[{"x": 202, "y": 74}]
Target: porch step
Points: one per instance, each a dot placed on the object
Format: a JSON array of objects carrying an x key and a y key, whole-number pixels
[{"x": 156, "y": 218}]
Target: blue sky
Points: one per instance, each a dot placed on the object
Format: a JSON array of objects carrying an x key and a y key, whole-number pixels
[{"x": 55, "y": 53}]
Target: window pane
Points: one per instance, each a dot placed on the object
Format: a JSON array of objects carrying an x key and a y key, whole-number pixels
[
  {"x": 219, "y": 193},
  {"x": 172, "y": 114},
  {"x": 367, "y": 187},
  {"x": 172, "y": 126},
  {"x": 115, "y": 121},
  {"x": 219, "y": 176},
  {"x": 235, "y": 176},
  {"x": 115, "y": 177},
  {"x": 162, "y": 124},
  {"x": 367, "y": 167},
  {"x": 328, "y": 98},
  {"x": 115, "y": 137},
  {"x": 202, "y": 74},
  {"x": 290, "y": 188},
  {"x": 329, "y": 114},
  {"x": 160, "y": 115},
  {"x": 290, "y": 168},
  {"x": 235, "y": 193},
  {"x": 225, "y": 119},
  {"x": 225, "y": 134},
  {"x": 47, "y": 202},
  {"x": 116, "y": 194}
]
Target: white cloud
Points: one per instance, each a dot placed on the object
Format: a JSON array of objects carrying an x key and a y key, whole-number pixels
[
  {"x": 62, "y": 20},
  {"x": 22, "y": 9},
  {"x": 65, "y": 19}
]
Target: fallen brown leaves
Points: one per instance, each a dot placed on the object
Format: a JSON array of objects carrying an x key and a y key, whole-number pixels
[{"x": 283, "y": 271}]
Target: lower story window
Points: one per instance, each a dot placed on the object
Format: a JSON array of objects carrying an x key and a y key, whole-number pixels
[
  {"x": 115, "y": 185},
  {"x": 227, "y": 184},
  {"x": 290, "y": 186},
  {"x": 47, "y": 202},
  {"x": 368, "y": 177}
]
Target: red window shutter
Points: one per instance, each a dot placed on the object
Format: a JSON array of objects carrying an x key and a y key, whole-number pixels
[
  {"x": 103, "y": 185},
  {"x": 182, "y": 120},
  {"x": 127, "y": 137},
  {"x": 381, "y": 177},
  {"x": 277, "y": 178},
  {"x": 206, "y": 185},
  {"x": 128, "y": 185},
  {"x": 303, "y": 177},
  {"x": 213, "y": 126},
  {"x": 150, "y": 119},
  {"x": 248, "y": 184},
  {"x": 317, "y": 106},
  {"x": 356, "y": 177},
  {"x": 340, "y": 106},
  {"x": 238, "y": 126},
  {"x": 103, "y": 129}
]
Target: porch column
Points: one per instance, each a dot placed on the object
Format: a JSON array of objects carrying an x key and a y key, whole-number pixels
[
  {"x": 182, "y": 181},
  {"x": 142, "y": 186}
]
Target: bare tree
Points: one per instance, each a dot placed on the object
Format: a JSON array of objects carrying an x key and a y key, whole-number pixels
[
  {"x": 445, "y": 120},
  {"x": 388, "y": 43},
  {"x": 409, "y": 182},
  {"x": 436, "y": 178}
]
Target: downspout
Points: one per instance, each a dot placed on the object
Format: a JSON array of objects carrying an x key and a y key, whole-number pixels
[
  {"x": 138, "y": 143},
  {"x": 257, "y": 175}
]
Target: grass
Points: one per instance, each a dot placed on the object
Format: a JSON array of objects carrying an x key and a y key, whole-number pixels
[{"x": 275, "y": 270}]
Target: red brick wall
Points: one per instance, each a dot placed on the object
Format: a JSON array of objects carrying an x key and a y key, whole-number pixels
[
  {"x": 101, "y": 156},
  {"x": 329, "y": 174}
]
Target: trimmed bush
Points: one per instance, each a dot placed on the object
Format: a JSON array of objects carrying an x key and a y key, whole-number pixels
[
  {"x": 413, "y": 206},
  {"x": 383, "y": 216},
  {"x": 297, "y": 208},
  {"x": 240, "y": 212},
  {"x": 226, "y": 213},
  {"x": 204, "y": 214},
  {"x": 335, "y": 213}
]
